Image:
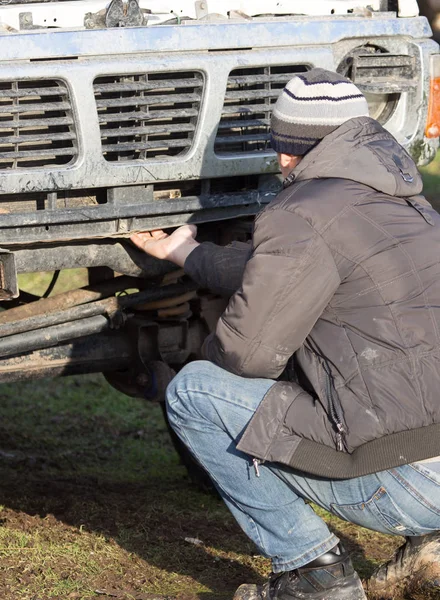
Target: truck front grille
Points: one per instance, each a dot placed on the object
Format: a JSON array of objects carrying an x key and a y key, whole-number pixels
[
  {"x": 250, "y": 96},
  {"x": 148, "y": 116},
  {"x": 36, "y": 124}
]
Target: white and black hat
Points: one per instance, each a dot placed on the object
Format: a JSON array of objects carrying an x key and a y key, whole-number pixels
[{"x": 312, "y": 105}]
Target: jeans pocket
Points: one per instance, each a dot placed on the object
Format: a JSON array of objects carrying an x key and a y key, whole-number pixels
[{"x": 378, "y": 513}]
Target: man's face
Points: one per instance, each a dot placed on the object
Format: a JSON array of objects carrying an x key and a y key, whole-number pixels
[{"x": 287, "y": 163}]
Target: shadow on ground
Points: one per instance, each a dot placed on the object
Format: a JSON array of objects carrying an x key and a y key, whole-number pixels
[
  {"x": 92, "y": 487},
  {"x": 135, "y": 518}
]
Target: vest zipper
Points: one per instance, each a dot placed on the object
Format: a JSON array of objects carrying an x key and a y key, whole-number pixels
[
  {"x": 340, "y": 437},
  {"x": 335, "y": 412}
]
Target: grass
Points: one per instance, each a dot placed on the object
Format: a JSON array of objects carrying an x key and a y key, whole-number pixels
[
  {"x": 431, "y": 181},
  {"x": 94, "y": 500}
]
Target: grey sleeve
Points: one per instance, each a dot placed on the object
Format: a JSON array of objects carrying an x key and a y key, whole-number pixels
[
  {"x": 288, "y": 281},
  {"x": 218, "y": 268}
]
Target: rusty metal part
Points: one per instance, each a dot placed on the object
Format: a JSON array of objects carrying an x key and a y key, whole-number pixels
[
  {"x": 108, "y": 306},
  {"x": 23, "y": 298},
  {"x": 110, "y": 350},
  {"x": 173, "y": 276},
  {"x": 8, "y": 275},
  {"x": 93, "y": 354},
  {"x": 75, "y": 322},
  {"x": 72, "y": 298},
  {"x": 51, "y": 336},
  {"x": 148, "y": 385},
  {"x": 167, "y": 302},
  {"x": 121, "y": 13},
  {"x": 121, "y": 257},
  {"x": 174, "y": 311},
  {"x": 156, "y": 346}
]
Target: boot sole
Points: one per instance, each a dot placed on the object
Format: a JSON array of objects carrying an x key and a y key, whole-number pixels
[{"x": 351, "y": 590}]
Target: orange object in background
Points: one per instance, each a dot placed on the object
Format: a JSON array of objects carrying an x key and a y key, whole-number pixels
[{"x": 433, "y": 122}]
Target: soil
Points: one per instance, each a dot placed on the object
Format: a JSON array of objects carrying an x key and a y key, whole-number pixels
[{"x": 94, "y": 503}]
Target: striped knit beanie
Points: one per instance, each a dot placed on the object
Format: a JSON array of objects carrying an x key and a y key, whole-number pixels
[{"x": 312, "y": 105}]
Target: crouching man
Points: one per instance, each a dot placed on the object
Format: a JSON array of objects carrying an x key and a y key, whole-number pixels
[{"x": 342, "y": 280}]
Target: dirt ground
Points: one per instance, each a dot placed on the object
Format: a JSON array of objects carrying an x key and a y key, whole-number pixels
[{"x": 95, "y": 504}]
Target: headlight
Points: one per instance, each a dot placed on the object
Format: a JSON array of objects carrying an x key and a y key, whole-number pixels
[
  {"x": 433, "y": 122},
  {"x": 381, "y": 106},
  {"x": 381, "y": 76}
]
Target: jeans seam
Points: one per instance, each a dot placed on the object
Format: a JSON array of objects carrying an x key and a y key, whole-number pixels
[
  {"x": 178, "y": 422},
  {"x": 425, "y": 475},
  {"x": 187, "y": 391},
  {"x": 316, "y": 551},
  {"x": 412, "y": 490},
  {"x": 254, "y": 526}
]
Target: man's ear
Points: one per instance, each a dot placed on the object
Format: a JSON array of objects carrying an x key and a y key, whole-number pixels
[
  {"x": 285, "y": 160},
  {"x": 288, "y": 161}
]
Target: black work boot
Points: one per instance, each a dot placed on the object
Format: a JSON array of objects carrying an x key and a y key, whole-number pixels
[
  {"x": 329, "y": 577},
  {"x": 414, "y": 571}
]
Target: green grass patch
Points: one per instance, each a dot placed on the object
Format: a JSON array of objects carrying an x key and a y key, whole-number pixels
[
  {"x": 94, "y": 498},
  {"x": 431, "y": 181},
  {"x": 38, "y": 283}
]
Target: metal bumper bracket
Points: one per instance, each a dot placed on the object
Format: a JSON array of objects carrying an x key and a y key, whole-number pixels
[{"x": 8, "y": 276}]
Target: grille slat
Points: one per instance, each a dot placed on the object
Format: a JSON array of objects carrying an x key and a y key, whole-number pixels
[
  {"x": 148, "y": 145},
  {"x": 41, "y": 138},
  {"x": 34, "y": 108},
  {"x": 140, "y": 86},
  {"x": 251, "y": 94},
  {"x": 37, "y": 92},
  {"x": 36, "y": 124},
  {"x": 254, "y": 79},
  {"x": 230, "y": 139},
  {"x": 243, "y": 123},
  {"x": 36, "y": 154},
  {"x": 152, "y": 101},
  {"x": 153, "y": 130},
  {"x": 249, "y": 98},
  {"x": 148, "y": 115},
  {"x": 157, "y": 114},
  {"x": 242, "y": 109}
]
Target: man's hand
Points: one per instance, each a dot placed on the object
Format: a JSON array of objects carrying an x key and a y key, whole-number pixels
[{"x": 175, "y": 247}]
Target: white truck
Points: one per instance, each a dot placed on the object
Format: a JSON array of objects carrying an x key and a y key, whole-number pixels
[{"x": 134, "y": 115}]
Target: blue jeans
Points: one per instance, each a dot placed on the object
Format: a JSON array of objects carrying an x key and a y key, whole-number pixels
[{"x": 209, "y": 409}]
